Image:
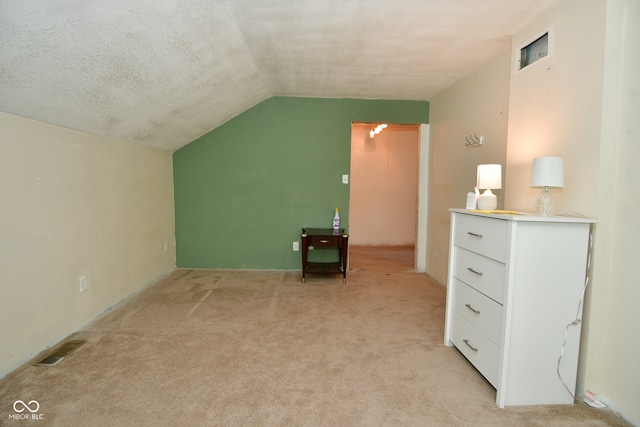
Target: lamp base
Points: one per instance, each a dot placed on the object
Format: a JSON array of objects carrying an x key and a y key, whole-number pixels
[
  {"x": 545, "y": 204},
  {"x": 487, "y": 201}
]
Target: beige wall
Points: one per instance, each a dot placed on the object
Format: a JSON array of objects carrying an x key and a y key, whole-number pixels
[
  {"x": 74, "y": 205},
  {"x": 583, "y": 108},
  {"x": 477, "y": 104},
  {"x": 612, "y": 368},
  {"x": 579, "y": 103},
  {"x": 555, "y": 106},
  {"x": 384, "y": 186}
]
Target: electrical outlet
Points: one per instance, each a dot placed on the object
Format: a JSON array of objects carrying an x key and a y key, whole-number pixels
[
  {"x": 345, "y": 179},
  {"x": 296, "y": 246},
  {"x": 83, "y": 283}
]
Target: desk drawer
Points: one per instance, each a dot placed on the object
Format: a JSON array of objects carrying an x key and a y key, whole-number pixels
[
  {"x": 482, "y": 273},
  {"x": 486, "y": 236},
  {"x": 480, "y": 351},
  {"x": 324, "y": 241},
  {"x": 481, "y": 312}
]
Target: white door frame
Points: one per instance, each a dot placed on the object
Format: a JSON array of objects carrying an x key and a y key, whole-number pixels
[{"x": 423, "y": 197}]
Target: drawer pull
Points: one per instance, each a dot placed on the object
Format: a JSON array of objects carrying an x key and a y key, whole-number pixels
[
  {"x": 324, "y": 241},
  {"x": 474, "y": 234},
  {"x": 479, "y": 273},
  {"x": 472, "y": 309},
  {"x": 469, "y": 345}
]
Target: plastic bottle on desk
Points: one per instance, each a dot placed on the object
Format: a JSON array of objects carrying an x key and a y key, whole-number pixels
[{"x": 336, "y": 220}]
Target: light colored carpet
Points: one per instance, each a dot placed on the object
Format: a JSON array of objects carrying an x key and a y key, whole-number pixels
[{"x": 259, "y": 348}]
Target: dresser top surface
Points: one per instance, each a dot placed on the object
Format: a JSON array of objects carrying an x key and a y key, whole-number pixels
[{"x": 524, "y": 216}]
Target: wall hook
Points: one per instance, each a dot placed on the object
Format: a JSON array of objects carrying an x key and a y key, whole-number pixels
[{"x": 473, "y": 140}]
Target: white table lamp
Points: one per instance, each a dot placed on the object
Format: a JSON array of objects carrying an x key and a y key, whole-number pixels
[
  {"x": 548, "y": 172},
  {"x": 489, "y": 178}
]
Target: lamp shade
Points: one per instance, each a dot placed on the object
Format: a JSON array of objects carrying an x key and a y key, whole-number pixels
[
  {"x": 547, "y": 172},
  {"x": 489, "y": 177}
]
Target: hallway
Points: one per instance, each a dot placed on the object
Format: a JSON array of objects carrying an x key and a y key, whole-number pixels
[{"x": 382, "y": 259}]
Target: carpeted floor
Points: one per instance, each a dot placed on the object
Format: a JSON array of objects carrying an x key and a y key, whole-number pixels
[{"x": 259, "y": 348}]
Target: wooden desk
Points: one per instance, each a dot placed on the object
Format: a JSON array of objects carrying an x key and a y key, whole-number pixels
[{"x": 313, "y": 238}]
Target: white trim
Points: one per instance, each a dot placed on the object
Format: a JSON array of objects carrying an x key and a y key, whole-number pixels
[{"x": 423, "y": 197}]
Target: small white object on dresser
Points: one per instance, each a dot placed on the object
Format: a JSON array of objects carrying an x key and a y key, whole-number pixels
[{"x": 515, "y": 283}]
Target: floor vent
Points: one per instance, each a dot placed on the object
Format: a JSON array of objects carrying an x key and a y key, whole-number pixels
[{"x": 60, "y": 353}]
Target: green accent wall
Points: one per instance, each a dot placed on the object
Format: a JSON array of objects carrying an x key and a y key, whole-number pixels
[{"x": 244, "y": 190}]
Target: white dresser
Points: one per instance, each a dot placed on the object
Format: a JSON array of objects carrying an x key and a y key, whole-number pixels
[{"x": 514, "y": 284}]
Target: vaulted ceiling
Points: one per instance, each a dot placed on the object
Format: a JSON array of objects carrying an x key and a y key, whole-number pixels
[{"x": 161, "y": 73}]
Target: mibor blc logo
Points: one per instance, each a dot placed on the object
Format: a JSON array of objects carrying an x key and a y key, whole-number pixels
[{"x": 26, "y": 411}]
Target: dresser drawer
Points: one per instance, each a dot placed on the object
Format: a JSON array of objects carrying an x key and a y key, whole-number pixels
[
  {"x": 480, "y": 351},
  {"x": 486, "y": 236},
  {"x": 324, "y": 241},
  {"x": 481, "y": 312},
  {"x": 479, "y": 272}
]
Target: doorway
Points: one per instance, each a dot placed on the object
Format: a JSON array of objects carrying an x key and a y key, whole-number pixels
[{"x": 384, "y": 201}]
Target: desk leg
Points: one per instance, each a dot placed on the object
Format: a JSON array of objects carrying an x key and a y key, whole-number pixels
[
  {"x": 305, "y": 248},
  {"x": 344, "y": 250}
]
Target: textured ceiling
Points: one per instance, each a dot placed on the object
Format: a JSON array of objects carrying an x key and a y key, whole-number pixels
[{"x": 161, "y": 73}]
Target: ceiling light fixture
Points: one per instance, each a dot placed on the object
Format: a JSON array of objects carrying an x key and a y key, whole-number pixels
[{"x": 375, "y": 131}]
